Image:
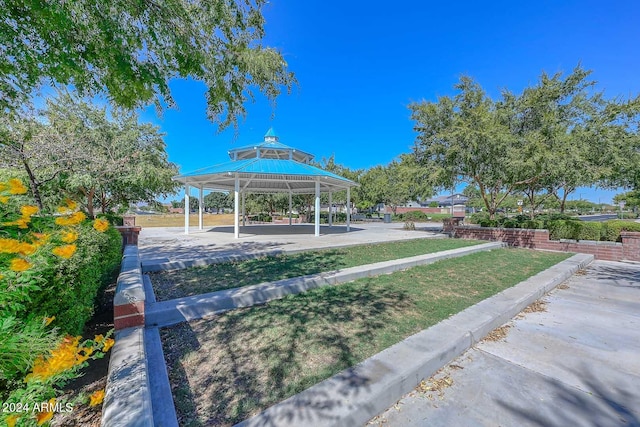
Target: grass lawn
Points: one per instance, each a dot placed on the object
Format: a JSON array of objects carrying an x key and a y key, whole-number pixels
[
  {"x": 216, "y": 277},
  {"x": 177, "y": 220},
  {"x": 225, "y": 369}
]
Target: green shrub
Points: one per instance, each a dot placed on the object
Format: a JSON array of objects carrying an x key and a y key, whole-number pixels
[
  {"x": 611, "y": 229},
  {"x": 563, "y": 229},
  {"x": 477, "y": 217},
  {"x": 533, "y": 224},
  {"x": 73, "y": 284},
  {"x": 415, "y": 216},
  {"x": 113, "y": 219},
  {"x": 337, "y": 217},
  {"x": 627, "y": 215},
  {"x": 488, "y": 223},
  {"x": 590, "y": 231},
  {"x": 511, "y": 223}
]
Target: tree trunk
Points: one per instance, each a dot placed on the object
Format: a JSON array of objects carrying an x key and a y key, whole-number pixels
[
  {"x": 90, "y": 195},
  {"x": 35, "y": 189}
]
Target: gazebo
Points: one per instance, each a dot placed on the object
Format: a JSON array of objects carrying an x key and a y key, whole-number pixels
[{"x": 266, "y": 167}]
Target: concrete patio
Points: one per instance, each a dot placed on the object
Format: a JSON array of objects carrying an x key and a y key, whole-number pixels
[{"x": 169, "y": 244}]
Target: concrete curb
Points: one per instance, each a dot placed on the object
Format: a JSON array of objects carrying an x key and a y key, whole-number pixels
[
  {"x": 129, "y": 300},
  {"x": 170, "y": 312},
  {"x": 164, "y": 411},
  {"x": 356, "y": 395},
  {"x": 127, "y": 400}
]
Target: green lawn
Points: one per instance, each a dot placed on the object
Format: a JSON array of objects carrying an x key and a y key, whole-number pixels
[
  {"x": 216, "y": 277},
  {"x": 225, "y": 369}
]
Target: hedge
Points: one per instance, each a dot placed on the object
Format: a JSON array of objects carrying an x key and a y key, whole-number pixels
[
  {"x": 72, "y": 285},
  {"x": 611, "y": 229}
]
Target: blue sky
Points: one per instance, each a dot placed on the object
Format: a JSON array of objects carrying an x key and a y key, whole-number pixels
[{"x": 360, "y": 63}]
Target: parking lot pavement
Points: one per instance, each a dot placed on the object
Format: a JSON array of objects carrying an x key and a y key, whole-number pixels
[{"x": 574, "y": 361}]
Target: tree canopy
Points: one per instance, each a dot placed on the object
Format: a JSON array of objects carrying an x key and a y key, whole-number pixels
[
  {"x": 132, "y": 49},
  {"x": 555, "y": 136},
  {"x": 78, "y": 150}
]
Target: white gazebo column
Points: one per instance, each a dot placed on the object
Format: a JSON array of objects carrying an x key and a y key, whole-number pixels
[
  {"x": 243, "y": 210},
  {"x": 290, "y": 206},
  {"x": 330, "y": 209},
  {"x": 186, "y": 209},
  {"x": 200, "y": 207},
  {"x": 236, "y": 208},
  {"x": 348, "y": 208},
  {"x": 317, "y": 228}
]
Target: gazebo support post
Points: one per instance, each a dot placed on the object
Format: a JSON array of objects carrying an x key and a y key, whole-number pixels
[
  {"x": 236, "y": 208},
  {"x": 200, "y": 207},
  {"x": 317, "y": 213},
  {"x": 186, "y": 209},
  {"x": 330, "y": 210},
  {"x": 290, "y": 206},
  {"x": 348, "y": 209},
  {"x": 243, "y": 210}
]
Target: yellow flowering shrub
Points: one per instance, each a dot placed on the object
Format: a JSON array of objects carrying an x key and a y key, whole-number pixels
[
  {"x": 101, "y": 224},
  {"x": 65, "y": 251},
  {"x": 69, "y": 236},
  {"x": 40, "y": 275},
  {"x": 72, "y": 219}
]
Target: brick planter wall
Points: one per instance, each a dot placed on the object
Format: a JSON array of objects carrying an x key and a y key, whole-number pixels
[
  {"x": 129, "y": 234},
  {"x": 129, "y": 300},
  {"x": 628, "y": 250}
]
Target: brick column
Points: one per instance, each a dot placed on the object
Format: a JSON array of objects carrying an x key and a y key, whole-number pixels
[
  {"x": 129, "y": 234},
  {"x": 129, "y": 300},
  {"x": 630, "y": 245}
]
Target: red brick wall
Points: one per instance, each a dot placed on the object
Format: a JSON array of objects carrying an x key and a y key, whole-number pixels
[
  {"x": 458, "y": 210},
  {"x": 129, "y": 235},
  {"x": 629, "y": 249}
]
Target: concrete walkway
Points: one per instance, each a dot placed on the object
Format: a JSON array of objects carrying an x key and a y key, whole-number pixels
[
  {"x": 160, "y": 245},
  {"x": 575, "y": 364}
]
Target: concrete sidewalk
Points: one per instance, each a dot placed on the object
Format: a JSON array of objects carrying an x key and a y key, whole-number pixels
[{"x": 575, "y": 364}]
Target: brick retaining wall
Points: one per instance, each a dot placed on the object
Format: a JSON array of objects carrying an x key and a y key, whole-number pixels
[{"x": 628, "y": 250}]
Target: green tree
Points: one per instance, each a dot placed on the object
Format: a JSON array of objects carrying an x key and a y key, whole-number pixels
[
  {"x": 466, "y": 138},
  {"x": 396, "y": 184},
  {"x": 553, "y": 122},
  {"x": 554, "y": 137},
  {"x": 132, "y": 49},
  {"x": 106, "y": 161},
  {"x": 218, "y": 200},
  {"x": 630, "y": 198}
]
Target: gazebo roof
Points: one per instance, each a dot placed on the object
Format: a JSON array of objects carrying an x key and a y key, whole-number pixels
[{"x": 267, "y": 167}]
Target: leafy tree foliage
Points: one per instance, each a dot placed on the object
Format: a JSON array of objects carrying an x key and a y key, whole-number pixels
[
  {"x": 544, "y": 143},
  {"x": 131, "y": 50},
  {"x": 217, "y": 200},
  {"x": 395, "y": 184},
  {"x": 106, "y": 161},
  {"x": 630, "y": 198}
]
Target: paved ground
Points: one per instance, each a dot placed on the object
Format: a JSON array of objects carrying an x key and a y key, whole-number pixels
[
  {"x": 575, "y": 364},
  {"x": 162, "y": 244}
]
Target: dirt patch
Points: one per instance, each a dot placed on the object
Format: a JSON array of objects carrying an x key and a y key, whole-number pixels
[
  {"x": 563, "y": 286},
  {"x": 498, "y": 334}
]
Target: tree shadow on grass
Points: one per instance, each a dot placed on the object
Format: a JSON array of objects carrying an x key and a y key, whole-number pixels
[
  {"x": 250, "y": 359},
  {"x": 602, "y": 404},
  {"x": 218, "y": 277}
]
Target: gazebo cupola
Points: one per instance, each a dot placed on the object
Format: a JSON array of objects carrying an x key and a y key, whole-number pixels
[{"x": 270, "y": 148}]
